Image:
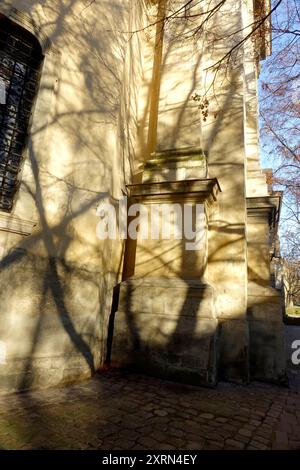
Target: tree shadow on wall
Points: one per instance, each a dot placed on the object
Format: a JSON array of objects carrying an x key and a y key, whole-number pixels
[
  {"x": 79, "y": 126},
  {"x": 185, "y": 330},
  {"x": 41, "y": 268},
  {"x": 60, "y": 276}
]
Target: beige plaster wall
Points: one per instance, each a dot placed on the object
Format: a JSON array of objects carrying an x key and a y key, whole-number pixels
[
  {"x": 223, "y": 137},
  {"x": 56, "y": 283}
]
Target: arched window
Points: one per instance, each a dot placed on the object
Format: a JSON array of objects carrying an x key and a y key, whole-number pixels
[{"x": 20, "y": 64}]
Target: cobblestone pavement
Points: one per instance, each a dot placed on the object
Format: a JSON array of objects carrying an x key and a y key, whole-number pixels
[{"x": 118, "y": 410}]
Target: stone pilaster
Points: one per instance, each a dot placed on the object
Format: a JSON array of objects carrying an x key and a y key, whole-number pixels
[
  {"x": 267, "y": 356},
  {"x": 223, "y": 140},
  {"x": 166, "y": 323}
]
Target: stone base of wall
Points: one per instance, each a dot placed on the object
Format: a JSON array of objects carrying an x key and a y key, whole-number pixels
[
  {"x": 266, "y": 328},
  {"x": 234, "y": 350},
  {"x": 25, "y": 374},
  {"x": 54, "y": 321},
  {"x": 167, "y": 327}
]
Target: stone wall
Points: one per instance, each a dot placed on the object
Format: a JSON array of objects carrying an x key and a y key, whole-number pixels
[
  {"x": 228, "y": 137},
  {"x": 111, "y": 94},
  {"x": 56, "y": 277}
]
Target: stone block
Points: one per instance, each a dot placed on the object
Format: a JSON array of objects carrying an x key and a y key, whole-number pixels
[
  {"x": 266, "y": 334},
  {"x": 176, "y": 166},
  {"x": 267, "y": 351},
  {"x": 234, "y": 350},
  {"x": 173, "y": 335}
]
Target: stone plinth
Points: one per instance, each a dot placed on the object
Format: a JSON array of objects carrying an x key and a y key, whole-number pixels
[
  {"x": 167, "y": 327},
  {"x": 266, "y": 330}
]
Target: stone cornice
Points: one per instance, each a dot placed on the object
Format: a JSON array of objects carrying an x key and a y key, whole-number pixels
[
  {"x": 201, "y": 189},
  {"x": 13, "y": 224},
  {"x": 265, "y": 206}
]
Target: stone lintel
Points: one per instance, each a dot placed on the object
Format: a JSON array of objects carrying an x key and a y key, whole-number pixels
[{"x": 25, "y": 20}]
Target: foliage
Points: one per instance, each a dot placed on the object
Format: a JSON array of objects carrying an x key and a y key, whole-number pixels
[{"x": 280, "y": 119}]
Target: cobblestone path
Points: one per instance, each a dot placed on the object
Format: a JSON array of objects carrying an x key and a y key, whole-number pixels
[{"x": 129, "y": 411}]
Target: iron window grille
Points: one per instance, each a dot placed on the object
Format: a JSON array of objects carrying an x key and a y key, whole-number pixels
[{"x": 20, "y": 65}]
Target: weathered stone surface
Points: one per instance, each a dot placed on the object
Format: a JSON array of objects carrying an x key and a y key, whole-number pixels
[
  {"x": 234, "y": 350},
  {"x": 264, "y": 303},
  {"x": 54, "y": 335},
  {"x": 167, "y": 327},
  {"x": 172, "y": 165},
  {"x": 124, "y": 104},
  {"x": 266, "y": 330}
]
